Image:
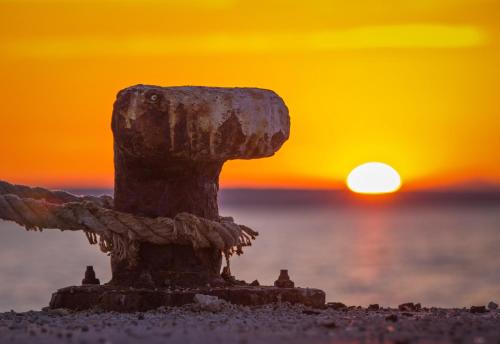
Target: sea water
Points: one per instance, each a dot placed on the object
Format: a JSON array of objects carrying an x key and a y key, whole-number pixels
[{"x": 442, "y": 254}]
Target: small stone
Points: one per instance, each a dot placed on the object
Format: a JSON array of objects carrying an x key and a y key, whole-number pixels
[
  {"x": 392, "y": 317},
  {"x": 255, "y": 283},
  {"x": 478, "y": 309},
  {"x": 410, "y": 307},
  {"x": 336, "y": 305},
  {"x": 374, "y": 307},
  {"x": 310, "y": 312},
  {"x": 492, "y": 305},
  {"x": 210, "y": 303}
]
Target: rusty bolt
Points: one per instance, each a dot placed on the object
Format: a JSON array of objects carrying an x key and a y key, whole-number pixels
[
  {"x": 284, "y": 280},
  {"x": 90, "y": 276}
]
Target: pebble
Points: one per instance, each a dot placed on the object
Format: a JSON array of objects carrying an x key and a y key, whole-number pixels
[
  {"x": 336, "y": 305},
  {"x": 410, "y": 307},
  {"x": 478, "y": 309},
  {"x": 255, "y": 283},
  {"x": 492, "y": 305},
  {"x": 210, "y": 303}
]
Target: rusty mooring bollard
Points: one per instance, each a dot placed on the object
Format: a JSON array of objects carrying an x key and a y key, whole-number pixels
[
  {"x": 90, "y": 276},
  {"x": 170, "y": 144},
  {"x": 284, "y": 280}
]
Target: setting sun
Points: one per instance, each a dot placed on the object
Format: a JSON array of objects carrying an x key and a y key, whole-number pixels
[{"x": 374, "y": 178}]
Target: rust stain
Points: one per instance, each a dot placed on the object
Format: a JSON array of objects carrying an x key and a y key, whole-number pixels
[
  {"x": 181, "y": 135},
  {"x": 277, "y": 140},
  {"x": 231, "y": 136}
]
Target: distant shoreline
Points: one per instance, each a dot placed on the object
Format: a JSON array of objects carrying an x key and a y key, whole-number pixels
[{"x": 339, "y": 198}]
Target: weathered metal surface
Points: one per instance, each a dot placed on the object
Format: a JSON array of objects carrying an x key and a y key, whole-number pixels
[
  {"x": 200, "y": 123},
  {"x": 110, "y": 298}
]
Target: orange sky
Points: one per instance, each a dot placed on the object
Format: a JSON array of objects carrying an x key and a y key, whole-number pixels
[{"x": 414, "y": 84}]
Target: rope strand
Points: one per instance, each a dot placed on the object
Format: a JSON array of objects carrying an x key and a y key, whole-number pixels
[{"x": 117, "y": 232}]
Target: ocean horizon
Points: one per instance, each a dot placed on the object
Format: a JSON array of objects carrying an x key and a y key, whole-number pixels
[{"x": 339, "y": 197}]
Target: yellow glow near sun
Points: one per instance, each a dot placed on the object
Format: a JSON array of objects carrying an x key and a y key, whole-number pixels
[{"x": 374, "y": 178}]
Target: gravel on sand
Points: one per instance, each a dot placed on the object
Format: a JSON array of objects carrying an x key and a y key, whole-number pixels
[{"x": 228, "y": 323}]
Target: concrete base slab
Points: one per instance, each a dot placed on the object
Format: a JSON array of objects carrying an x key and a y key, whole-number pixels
[{"x": 122, "y": 299}]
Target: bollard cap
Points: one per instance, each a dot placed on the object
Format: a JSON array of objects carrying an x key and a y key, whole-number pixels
[{"x": 199, "y": 123}]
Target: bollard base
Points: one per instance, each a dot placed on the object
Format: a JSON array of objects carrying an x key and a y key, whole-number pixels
[{"x": 121, "y": 299}]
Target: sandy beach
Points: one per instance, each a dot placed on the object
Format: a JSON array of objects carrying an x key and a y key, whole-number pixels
[{"x": 227, "y": 323}]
